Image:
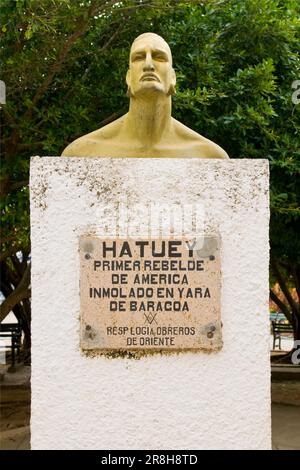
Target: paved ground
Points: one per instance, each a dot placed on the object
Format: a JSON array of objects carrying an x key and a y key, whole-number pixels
[
  {"x": 16, "y": 439},
  {"x": 286, "y": 393},
  {"x": 15, "y": 416},
  {"x": 15, "y": 412},
  {"x": 15, "y": 409},
  {"x": 285, "y": 427}
]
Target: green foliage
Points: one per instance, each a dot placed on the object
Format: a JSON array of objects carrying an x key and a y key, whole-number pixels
[{"x": 64, "y": 65}]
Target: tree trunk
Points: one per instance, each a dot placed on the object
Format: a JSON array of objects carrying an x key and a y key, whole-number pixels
[
  {"x": 21, "y": 292},
  {"x": 11, "y": 281},
  {"x": 290, "y": 307},
  {"x": 27, "y": 332},
  {"x": 296, "y": 327}
]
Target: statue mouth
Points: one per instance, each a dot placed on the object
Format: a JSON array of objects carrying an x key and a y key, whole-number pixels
[{"x": 149, "y": 77}]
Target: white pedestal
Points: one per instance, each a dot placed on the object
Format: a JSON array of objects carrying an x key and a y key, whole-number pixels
[{"x": 187, "y": 400}]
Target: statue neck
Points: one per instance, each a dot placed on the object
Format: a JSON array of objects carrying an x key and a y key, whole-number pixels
[{"x": 148, "y": 119}]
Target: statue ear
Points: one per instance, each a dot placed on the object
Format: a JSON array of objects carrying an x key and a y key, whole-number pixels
[
  {"x": 128, "y": 78},
  {"x": 173, "y": 79},
  {"x": 172, "y": 90},
  {"x": 128, "y": 92}
]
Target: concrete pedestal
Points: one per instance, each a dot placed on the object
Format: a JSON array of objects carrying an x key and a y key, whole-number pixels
[{"x": 185, "y": 400}]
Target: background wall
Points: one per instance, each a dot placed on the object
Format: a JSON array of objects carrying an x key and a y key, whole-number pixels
[{"x": 178, "y": 401}]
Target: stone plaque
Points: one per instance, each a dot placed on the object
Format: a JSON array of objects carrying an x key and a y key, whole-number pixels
[{"x": 150, "y": 294}]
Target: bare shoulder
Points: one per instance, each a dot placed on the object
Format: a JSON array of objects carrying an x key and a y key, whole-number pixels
[
  {"x": 88, "y": 145},
  {"x": 211, "y": 150},
  {"x": 201, "y": 146},
  {"x": 79, "y": 147}
]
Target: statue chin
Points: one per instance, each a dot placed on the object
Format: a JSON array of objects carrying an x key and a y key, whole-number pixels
[
  {"x": 147, "y": 89},
  {"x": 129, "y": 94}
]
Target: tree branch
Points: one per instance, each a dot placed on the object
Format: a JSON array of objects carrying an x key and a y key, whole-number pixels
[
  {"x": 9, "y": 252},
  {"x": 9, "y": 238},
  {"x": 283, "y": 286},
  {"x": 83, "y": 78},
  {"x": 80, "y": 29},
  {"x": 9, "y": 276},
  {"x": 296, "y": 276},
  {"x": 30, "y": 145},
  {"x": 282, "y": 306},
  {"x": 8, "y": 116},
  {"x": 21, "y": 292}
]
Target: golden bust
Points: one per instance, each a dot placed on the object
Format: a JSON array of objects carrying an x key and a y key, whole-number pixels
[{"x": 148, "y": 129}]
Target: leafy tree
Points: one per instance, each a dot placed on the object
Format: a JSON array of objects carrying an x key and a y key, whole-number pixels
[{"x": 64, "y": 65}]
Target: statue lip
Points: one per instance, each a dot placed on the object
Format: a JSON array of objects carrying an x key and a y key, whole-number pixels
[{"x": 151, "y": 76}]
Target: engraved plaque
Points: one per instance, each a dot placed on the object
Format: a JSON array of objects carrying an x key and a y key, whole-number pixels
[{"x": 150, "y": 294}]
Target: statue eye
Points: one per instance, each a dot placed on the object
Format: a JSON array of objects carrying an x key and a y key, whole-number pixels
[
  {"x": 160, "y": 57},
  {"x": 137, "y": 57}
]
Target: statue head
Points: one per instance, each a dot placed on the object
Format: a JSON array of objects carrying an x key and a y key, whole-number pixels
[{"x": 150, "y": 67}]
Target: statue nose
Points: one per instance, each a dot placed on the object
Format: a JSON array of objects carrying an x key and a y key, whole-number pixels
[{"x": 148, "y": 66}]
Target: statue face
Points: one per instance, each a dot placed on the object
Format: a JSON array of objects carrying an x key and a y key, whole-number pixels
[{"x": 150, "y": 69}]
